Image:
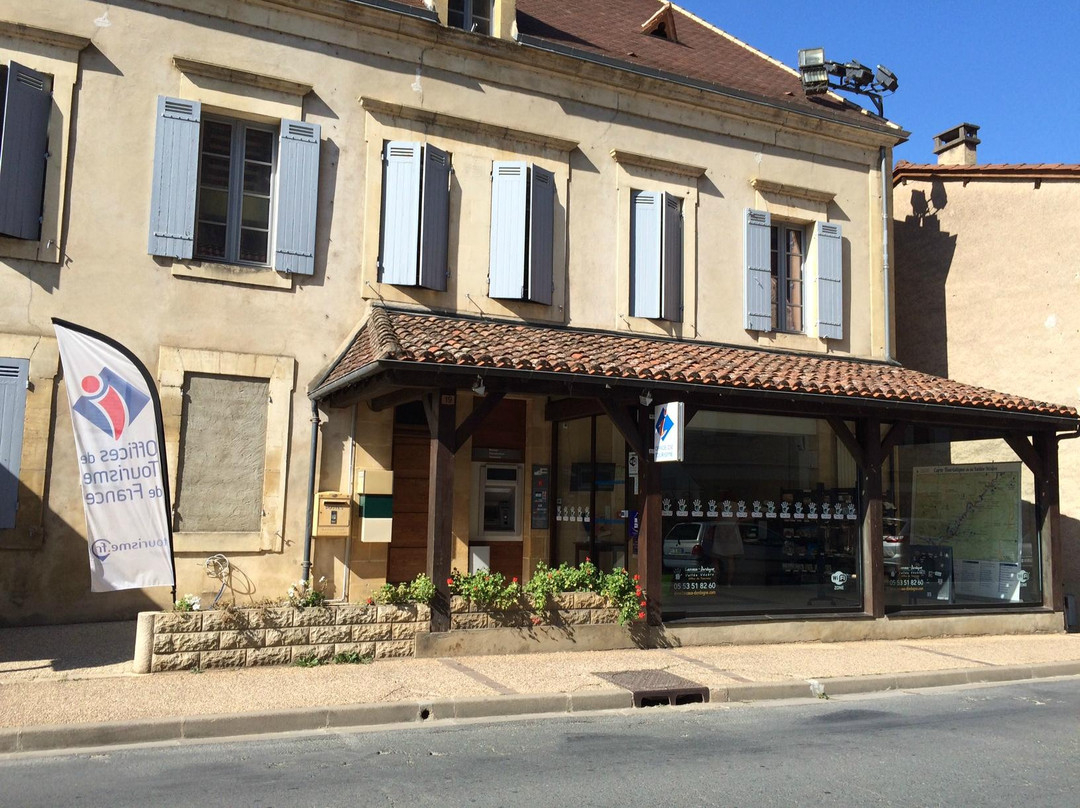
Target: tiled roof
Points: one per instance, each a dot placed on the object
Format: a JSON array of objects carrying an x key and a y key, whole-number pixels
[
  {"x": 611, "y": 29},
  {"x": 1043, "y": 171},
  {"x": 442, "y": 340}
]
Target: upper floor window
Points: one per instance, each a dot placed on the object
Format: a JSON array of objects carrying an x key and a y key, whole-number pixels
[
  {"x": 776, "y": 258},
  {"x": 786, "y": 252},
  {"x": 522, "y": 232},
  {"x": 472, "y": 15},
  {"x": 236, "y": 172},
  {"x": 656, "y": 255},
  {"x": 234, "y": 191},
  {"x": 24, "y": 147},
  {"x": 415, "y": 215}
]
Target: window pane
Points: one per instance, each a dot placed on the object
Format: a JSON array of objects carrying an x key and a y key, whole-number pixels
[
  {"x": 253, "y": 245},
  {"x": 257, "y": 178},
  {"x": 259, "y": 145},
  {"x": 216, "y": 137},
  {"x": 256, "y": 212},
  {"x": 213, "y": 206},
  {"x": 210, "y": 240},
  {"x": 215, "y": 172}
]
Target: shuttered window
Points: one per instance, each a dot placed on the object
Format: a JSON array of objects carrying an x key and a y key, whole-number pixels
[
  {"x": 415, "y": 215},
  {"x": 234, "y": 191},
  {"x": 656, "y": 255},
  {"x": 522, "y": 232},
  {"x": 13, "y": 378},
  {"x": 472, "y": 15},
  {"x": 830, "y": 263},
  {"x": 758, "y": 271},
  {"x": 24, "y": 147}
]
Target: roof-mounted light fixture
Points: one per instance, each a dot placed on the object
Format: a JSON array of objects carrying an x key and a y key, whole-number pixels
[{"x": 851, "y": 77}]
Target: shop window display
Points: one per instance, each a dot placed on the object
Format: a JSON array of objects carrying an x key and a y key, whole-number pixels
[
  {"x": 761, "y": 517},
  {"x": 960, "y": 524}
]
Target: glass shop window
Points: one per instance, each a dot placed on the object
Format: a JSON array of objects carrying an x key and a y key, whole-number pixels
[
  {"x": 761, "y": 517},
  {"x": 960, "y": 523}
]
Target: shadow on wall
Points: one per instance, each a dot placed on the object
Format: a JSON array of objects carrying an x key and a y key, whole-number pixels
[
  {"x": 924, "y": 254},
  {"x": 1070, "y": 554}
]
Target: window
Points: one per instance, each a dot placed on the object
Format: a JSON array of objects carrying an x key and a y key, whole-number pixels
[
  {"x": 234, "y": 191},
  {"x": 24, "y": 147},
  {"x": 656, "y": 255},
  {"x": 471, "y": 15},
  {"x": 415, "y": 215},
  {"x": 222, "y": 446},
  {"x": 236, "y": 172},
  {"x": 522, "y": 232},
  {"x": 776, "y": 261},
  {"x": 786, "y": 253},
  {"x": 497, "y": 509},
  {"x": 13, "y": 382}
]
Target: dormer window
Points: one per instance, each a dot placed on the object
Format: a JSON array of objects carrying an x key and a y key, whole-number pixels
[
  {"x": 661, "y": 24},
  {"x": 471, "y": 15}
]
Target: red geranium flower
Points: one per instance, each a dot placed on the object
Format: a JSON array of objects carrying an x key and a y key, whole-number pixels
[
  {"x": 637, "y": 577},
  {"x": 514, "y": 581},
  {"x": 641, "y": 615},
  {"x": 449, "y": 581}
]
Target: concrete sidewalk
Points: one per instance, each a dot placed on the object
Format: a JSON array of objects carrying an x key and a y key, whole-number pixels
[{"x": 71, "y": 686}]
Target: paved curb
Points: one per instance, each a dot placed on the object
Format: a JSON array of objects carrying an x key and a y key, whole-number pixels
[{"x": 74, "y": 737}]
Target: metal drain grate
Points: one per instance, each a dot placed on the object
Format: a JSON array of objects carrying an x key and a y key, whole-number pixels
[{"x": 652, "y": 688}]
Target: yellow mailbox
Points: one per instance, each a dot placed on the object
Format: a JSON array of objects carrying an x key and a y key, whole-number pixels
[{"x": 333, "y": 514}]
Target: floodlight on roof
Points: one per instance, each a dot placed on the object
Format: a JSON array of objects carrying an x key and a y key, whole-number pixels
[
  {"x": 886, "y": 78},
  {"x": 852, "y": 77},
  {"x": 812, "y": 70}
]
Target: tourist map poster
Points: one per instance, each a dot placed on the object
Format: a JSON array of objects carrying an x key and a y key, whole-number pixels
[{"x": 975, "y": 510}]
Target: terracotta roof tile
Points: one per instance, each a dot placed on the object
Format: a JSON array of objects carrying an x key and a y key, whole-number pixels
[
  {"x": 905, "y": 170},
  {"x": 426, "y": 338}
]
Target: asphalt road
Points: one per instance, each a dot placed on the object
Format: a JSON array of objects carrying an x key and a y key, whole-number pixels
[{"x": 1005, "y": 745}]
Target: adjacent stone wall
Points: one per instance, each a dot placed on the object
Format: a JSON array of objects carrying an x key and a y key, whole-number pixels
[
  {"x": 237, "y": 638},
  {"x": 568, "y": 609}
]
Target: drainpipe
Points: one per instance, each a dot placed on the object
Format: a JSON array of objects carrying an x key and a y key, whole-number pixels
[
  {"x": 305, "y": 568},
  {"x": 885, "y": 255}
]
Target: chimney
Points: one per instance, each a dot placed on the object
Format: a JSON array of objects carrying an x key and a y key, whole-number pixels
[{"x": 956, "y": 146}]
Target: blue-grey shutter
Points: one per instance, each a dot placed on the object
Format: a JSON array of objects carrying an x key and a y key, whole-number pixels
[
  {"x": 509, "y": 192},
  {"x": 758, "y": 264},
  {"x": 435, "y": 218},
  {"x": 399, "y": 253},
  {"x": 297, "y": 198},
  {"x": 176, "y": 175},
  {"x": 672, "y": 269},
  {"x": 541, "y": 235},
  {"x": 13, "y": 376},
  {"x": 646, "y": 224},
  {"x": 23, "y": 151},
  {"x": 830, "y": 262}
]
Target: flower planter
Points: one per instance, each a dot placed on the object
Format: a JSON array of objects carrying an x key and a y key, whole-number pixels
[{"x": 567, "y": 609}]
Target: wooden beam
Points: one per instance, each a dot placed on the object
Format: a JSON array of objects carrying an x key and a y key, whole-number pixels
[
  {"x": 568, "y": 409},
  {"x": 869, "y": 437},
  {"x": 1047, "y": 495},
  {"x": 1026, "y": 452},
  {"x": 650, "y": 537},
  {"x": 626, "y": 425},
  {"x": 892, "y": 437},
  {"x": 845, "y": 437},
  {"x": 479, "y": 414},
  {"x": 430, "y": 401},
  {"x": 440, "y": 539},
  {"x": 403, "y": 396}
]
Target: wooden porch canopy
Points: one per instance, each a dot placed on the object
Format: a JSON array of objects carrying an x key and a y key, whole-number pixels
[{"x": 399, "y": 355}]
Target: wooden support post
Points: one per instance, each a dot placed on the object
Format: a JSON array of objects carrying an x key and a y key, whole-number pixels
[
  {"x": 873, "y": 569},
  {"x": 441, "y": 410},
  {"x": 650, "y": 538},
  {"x": 1047, "y": 498}
]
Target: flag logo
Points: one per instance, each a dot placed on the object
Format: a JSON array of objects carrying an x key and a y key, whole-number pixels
[
  {"x": 109, "y": 402},
  {"x": 663, "y": 423}
]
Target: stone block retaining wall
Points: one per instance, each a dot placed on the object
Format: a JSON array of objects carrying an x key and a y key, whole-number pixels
[
  {"x": 237, "y": 638},
  {"x": 568, "y": 609}
]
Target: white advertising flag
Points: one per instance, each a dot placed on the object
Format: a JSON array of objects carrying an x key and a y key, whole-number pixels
[{"x": 116, "y": 415}]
